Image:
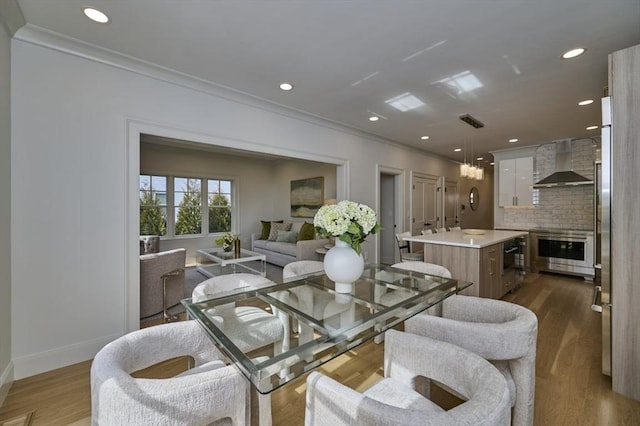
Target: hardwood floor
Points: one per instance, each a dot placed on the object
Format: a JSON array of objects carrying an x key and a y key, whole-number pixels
[{"x": 570, "y": 390}]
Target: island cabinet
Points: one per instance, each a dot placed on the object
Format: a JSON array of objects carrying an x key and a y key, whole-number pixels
[{"x": 475, "y": 258}]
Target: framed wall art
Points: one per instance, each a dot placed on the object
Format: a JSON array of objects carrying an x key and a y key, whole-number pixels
[{"x": 307, "y": 196}]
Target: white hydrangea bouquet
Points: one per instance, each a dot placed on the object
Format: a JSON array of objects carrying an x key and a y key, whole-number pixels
[{"x": 348, "y": 221}]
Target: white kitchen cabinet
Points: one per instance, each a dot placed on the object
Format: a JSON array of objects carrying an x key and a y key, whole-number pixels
[{"x": 515, "y": 182}]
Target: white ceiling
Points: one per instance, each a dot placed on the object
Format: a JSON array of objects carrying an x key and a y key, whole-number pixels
[{"x": 346, "y": 58}]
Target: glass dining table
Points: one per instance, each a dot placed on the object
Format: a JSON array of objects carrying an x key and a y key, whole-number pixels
[{"x": 318, "y": 323}]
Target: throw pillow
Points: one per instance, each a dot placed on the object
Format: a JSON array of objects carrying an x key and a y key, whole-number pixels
[
  {"x": 278, "y": 226},
  {"x": 266, "y": 228},
  {"x": 307, "y": 232},
  {"x": 295, "y": 226},
  {"x": 287, "y": 237}
]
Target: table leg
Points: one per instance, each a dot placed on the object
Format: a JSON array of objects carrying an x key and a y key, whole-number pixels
[{"x": 260, "y": 414}]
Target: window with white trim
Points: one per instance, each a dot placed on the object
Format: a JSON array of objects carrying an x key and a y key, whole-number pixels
[
  {"x": 192, "y": 201},
  {"x": 153, "y": 205}
]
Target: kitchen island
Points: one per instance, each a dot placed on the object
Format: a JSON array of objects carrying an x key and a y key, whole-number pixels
[{"x": 478, "y": 258}]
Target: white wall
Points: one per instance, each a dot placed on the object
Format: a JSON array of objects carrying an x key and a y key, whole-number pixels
[
  {"x": 76, "y": 124},
  {"x": 6, "y": 373}
]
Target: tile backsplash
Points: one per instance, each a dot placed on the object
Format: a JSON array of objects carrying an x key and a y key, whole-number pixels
[{"x": 569, "y": 207}]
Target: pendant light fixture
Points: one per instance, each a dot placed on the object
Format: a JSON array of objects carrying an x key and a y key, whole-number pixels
[{"x": 470, "y": 171}]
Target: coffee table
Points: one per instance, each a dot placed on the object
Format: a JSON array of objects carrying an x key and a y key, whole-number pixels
[{"x": 216, "y": 261}]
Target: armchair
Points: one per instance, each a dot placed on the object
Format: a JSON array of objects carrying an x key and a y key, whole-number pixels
[{"x": 161, "y": 282}]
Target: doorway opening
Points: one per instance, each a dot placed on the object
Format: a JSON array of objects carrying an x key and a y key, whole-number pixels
[{"x": 390, "y": 209}]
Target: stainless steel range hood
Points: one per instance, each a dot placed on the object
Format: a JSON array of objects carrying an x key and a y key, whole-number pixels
[{"x": 564, "y": 175}]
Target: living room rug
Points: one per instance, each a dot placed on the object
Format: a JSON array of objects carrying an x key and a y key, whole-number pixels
[{"x": 22, "y": 420}]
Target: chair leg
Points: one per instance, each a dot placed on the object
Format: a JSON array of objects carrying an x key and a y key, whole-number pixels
[{"x": 165, "y": 315}]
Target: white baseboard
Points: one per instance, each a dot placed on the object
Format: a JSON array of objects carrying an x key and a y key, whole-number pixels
[
  {"x": 6, "y": 380},
  {"x": 42, "y": 362}
]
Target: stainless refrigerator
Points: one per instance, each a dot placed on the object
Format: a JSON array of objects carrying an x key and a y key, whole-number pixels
[{"x": 619, "y": 228}]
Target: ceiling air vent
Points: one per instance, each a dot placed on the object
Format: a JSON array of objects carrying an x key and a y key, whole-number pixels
[{"x": 471, "y": 121}]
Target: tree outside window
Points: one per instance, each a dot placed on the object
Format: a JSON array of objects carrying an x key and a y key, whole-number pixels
[
  {"x": 219, "y": 203},
  {"x": 187, "y": 202},
  {"x": 153, "y": 205}
]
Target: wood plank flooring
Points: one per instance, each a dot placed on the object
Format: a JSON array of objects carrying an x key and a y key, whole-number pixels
[{"x": 570, "y": 390}]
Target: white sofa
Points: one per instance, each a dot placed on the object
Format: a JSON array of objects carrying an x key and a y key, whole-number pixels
[{"x": 280, "y": 253}]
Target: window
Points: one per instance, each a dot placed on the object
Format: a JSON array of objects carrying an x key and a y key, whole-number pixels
[
  {"x": 153, "y": 205},
  {"x": 200, "y": 206},
  {"x": 219, "y": 203},
  {"x": 187, "y": 204}
]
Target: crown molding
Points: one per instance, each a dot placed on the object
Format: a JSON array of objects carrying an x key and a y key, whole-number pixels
[{"x": 49, "y": 39}]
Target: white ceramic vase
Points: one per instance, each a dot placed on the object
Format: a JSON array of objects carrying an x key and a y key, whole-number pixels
[{"x": 343, "y": 266}]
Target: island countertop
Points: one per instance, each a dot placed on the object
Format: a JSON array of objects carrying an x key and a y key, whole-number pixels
[{"x": 460, "y": 239}]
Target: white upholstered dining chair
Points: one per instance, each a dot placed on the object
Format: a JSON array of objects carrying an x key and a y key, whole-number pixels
[
  {"x": 301, "y": 267},
  {"x": 395, "y": 401},
  {"x": 424, "y": 268},
  {"x": 249, "y": 327},
  {"x": 501, "y": 332},
  {"x": 210, "y": 393}
]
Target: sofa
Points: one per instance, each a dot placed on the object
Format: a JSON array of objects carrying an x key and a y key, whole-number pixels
[{"x": 290, "y": 242}]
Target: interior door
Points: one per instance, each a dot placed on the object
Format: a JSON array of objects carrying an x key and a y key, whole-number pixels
[
  {"x": 451, "y": 203},
  {"x": 423, "y": 203},
  {"x": 388, "y": 245}
]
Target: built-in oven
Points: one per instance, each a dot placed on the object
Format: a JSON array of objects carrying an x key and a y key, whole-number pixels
[{"x": 567, "y": 252}]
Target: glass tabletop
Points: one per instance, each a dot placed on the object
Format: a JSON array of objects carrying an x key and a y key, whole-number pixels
[{"x": 317, "y": 324}]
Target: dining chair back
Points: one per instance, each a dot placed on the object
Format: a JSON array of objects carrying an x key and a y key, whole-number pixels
[
  {"x": 211, "y": 391},
  {"x": 425, "y": 268},
  {"x": 395, "y": 401},
  {"x": 501, "y": 332},
  {"x": 301, "y": 267},
  {"x": 249, "y": 327}
]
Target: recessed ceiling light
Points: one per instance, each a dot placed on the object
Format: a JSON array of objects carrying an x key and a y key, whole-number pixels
[
  {"x": 592, "y": 127},
  {"x": 573, "y": 53},
  {"x": 286, "y": 86},
  {"x": 480, "y": 158},
  {"x": 374, "y": 118},
  {"x": 491, "y": 163},
  {"x": 95, "y": 15},
  {"x": 514, "y": 140},
  {"x": 585, "y": 102},
  {"x": 424, "y": 138},
  {"x": 457, "y": 150}
]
